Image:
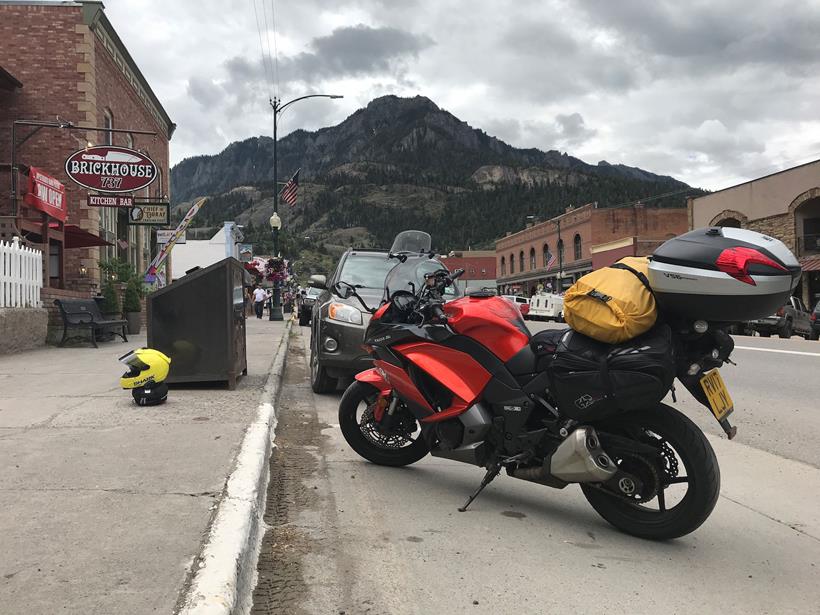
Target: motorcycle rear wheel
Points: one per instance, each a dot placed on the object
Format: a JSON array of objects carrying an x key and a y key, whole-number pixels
[
  {"x": 355, "y": 423},
  {"x": 702, "y": 478}
]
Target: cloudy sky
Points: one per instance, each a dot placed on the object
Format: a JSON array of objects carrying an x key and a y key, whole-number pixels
[{"x": 712, "y": 93}]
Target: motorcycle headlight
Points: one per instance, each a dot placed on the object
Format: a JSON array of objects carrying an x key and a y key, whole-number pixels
[{"x": 344, "y": 313}]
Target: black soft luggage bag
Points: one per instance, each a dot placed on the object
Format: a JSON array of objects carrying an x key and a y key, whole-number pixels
[{"x": 592, "y": 380}]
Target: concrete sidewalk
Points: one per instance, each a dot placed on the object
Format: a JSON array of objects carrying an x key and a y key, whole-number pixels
[{"x": 103, "y": 504}]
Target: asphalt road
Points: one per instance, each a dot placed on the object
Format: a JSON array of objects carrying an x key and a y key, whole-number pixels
[
  {"x": 351, "y": 537},
  {"x": 776, "y": 389}
]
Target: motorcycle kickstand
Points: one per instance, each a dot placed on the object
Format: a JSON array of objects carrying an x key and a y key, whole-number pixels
[{"x": 492, "y": 472}]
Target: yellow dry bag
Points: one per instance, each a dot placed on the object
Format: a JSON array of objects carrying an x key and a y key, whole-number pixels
[{"x": 613, "y": 304}]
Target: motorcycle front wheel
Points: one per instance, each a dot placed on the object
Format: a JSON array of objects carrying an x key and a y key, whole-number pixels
[
  {"x": 681, "y": 492},
  {"x": 401, "y": 446}
]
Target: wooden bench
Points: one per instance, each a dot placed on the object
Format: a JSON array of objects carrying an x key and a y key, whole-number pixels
[{"x": 85, "y": 314}]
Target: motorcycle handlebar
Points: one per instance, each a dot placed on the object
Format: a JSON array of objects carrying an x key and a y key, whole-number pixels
[{"x": 436, "y": 311}]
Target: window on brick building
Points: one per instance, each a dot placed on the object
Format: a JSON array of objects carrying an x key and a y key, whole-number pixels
[
  {"x": 108, "y": 124},
  {"x": 512, "y": 264},
  {"x": 577, "y": 247},
  {"x": 503, "y": 266},
  {"x": 532, "y": 258},
  {"x": 521, "y": 261},
  {"x": 546, "y": 255}
]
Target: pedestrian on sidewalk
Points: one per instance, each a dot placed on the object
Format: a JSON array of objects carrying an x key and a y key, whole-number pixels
[{"x": 259, "y": 298}]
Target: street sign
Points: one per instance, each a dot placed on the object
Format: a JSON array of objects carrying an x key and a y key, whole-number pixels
[
  {"x": 150, "y": 214},
  {"x": 165, "y": 235},
  {"x": 111, "y": 168},
  {"x": 110, "y": 200}
]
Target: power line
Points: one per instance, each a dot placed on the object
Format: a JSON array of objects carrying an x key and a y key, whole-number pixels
[
  {"x": 275, "y": 47},
  {"x": 262, "y": 49},
  {"x": 267, "y": 39}
]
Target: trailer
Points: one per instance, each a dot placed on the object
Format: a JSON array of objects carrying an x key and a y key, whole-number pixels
[{"x": 547, "y": 306}]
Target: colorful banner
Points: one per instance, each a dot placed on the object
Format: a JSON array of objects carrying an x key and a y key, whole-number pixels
[
  {"x": 162, "y": 255},
  {"x": 46, "y": 194}
]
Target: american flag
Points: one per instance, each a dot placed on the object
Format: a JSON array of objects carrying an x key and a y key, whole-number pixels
[
  {"x": 290, "y": 189},
  {"x": 550, "y": 260}
]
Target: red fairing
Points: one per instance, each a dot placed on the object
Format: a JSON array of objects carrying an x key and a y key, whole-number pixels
[
  {"x": 372, "y": 376},
  {"x": 380, "y": 312},
  {"x": 457, "y": 371},
  {"x": 493, "y": 322},
  {"x": 399, "y": 380}
]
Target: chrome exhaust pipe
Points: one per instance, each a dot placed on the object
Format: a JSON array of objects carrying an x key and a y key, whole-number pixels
[{"x": 578, "y": 459}]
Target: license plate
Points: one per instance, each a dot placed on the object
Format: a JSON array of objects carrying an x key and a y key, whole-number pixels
[{"x": 720, "y": 402}]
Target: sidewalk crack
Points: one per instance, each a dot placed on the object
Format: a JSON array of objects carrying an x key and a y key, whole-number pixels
[
  {"x": 120, "y": 490},
  {"x": 791, "y": 526}
]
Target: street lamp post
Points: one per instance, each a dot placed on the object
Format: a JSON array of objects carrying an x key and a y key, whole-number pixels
[
  {"x": 275, "y": 221},
  {"x": 275, "y": 306}
]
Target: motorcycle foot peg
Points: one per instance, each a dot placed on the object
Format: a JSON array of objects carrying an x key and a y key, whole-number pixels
[{"x": 731, "y": 430}]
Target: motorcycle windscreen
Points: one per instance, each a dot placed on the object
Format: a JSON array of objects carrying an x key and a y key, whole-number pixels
[{"x": 411, "y": 242}]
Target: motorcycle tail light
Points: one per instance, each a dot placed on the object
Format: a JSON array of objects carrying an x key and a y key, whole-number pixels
[{"x": 735, "y": 261}]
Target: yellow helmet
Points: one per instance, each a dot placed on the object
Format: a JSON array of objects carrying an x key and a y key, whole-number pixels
[{"x": 146, "y": 366}]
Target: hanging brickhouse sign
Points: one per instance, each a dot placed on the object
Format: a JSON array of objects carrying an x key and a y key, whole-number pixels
[
  {"x": 46, "y": 194},
  {"x": 111, "y": 169}
]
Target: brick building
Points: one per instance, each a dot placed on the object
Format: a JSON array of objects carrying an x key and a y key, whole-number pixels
[
  {"x": 478, "y": 265},
  {"x": 580, "y": 240},
  {"x": 68, "y": 65},
  {"x": 785, "y": 205}
]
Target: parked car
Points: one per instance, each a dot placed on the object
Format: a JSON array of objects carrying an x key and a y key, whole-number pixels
[
  {"x": 523, "y": 304},
  {"x": 815, "y": 322},
  {"x": 792, "y": 319},
  {"x": 338, "y": 324},
  {"x": 306, "y": 305},
  {"x": 547, "y": 306}
]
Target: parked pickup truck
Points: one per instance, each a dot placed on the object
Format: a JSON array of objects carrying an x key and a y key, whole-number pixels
[{"x": 792, "y": 319}]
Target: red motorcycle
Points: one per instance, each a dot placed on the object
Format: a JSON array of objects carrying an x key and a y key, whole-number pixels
[{"x": 464, "y": 380}]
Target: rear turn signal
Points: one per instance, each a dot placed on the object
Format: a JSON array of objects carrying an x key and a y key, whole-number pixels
[{"x": 735, "y": 262}]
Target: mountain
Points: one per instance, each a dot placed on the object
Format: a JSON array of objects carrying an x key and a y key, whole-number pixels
[{"x": 399, "y": 163}]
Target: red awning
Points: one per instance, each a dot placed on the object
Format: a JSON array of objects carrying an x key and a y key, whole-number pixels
[
  {"x": 75, "y": 237},
  {"x": 810, "y": 264}
]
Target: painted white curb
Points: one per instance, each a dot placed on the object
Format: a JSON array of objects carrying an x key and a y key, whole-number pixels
[{"x": 226, "y": 576}]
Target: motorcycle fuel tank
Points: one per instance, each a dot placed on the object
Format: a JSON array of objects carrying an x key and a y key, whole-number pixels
[{"x": 492, "y": 321}]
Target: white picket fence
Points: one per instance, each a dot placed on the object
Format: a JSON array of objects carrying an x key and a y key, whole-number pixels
[{"x": 21, "y": 275}]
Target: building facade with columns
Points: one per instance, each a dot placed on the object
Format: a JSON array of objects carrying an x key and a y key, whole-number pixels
[
  {"x": 70, "y": 66},
  {"x": 560, "y": 250},
  {"x": 784, "y": 205}
]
